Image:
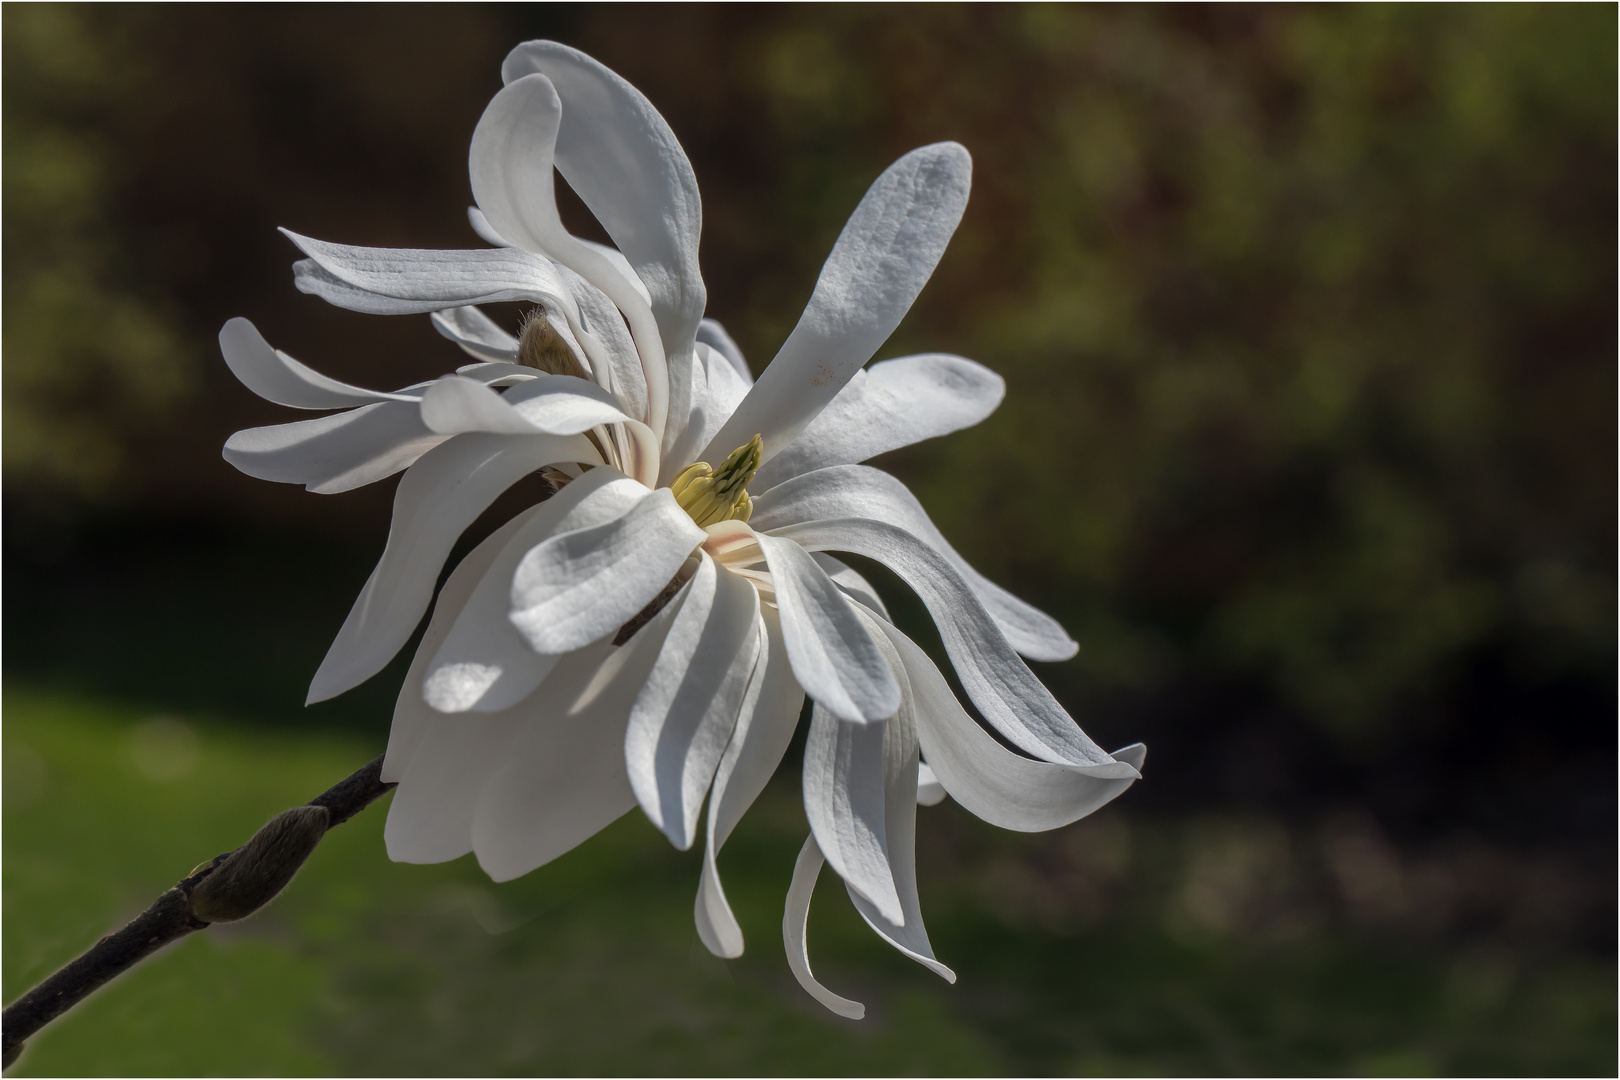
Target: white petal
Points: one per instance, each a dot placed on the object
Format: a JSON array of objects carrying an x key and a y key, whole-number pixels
[
  {"x": 486, "y": 232},
  {"x": 891, "y": 404},
  {"x": 412, "y": 718},
  {"x": 833, "y": 655},
  {"x": 930, "y": 792},
  {"x": 433, "y": 279},
  {"x": 843, "y": 798},
  {"x": 685, "y": 713},
  {"x": 1003, "y": 788},
  {"x": 552, "y": 404},
  {"x": 860, "y": 491},
  {"x": 712, "y": 334},
  {"x": 583, "y": 585},
  {"x": 438, "y": 497},
  {"x": 483, "y": 664},
  {"x": 795, "y": 920},
  {"x": 765, "y": 725},
  {"x": 511, "y": 167},
  {"x": 337, "y": 452},
  {"x": 625, "y": 163},
  {"x": 1003, "y": 688},
  {"x": 853, "y": 584},
  {"x": 565, "y": 779},
  {"x": 880, "y": 263},
  {"x": 277, "y": 377},
  {"x": 900, "y": 764},
  {"x": 727, "y": 388},
  {"x": 477, "y": 334},
  {"x": 430, "y": 819}
]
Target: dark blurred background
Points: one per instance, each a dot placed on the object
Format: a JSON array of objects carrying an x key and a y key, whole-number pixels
[{"x": 1308, "y": 320}]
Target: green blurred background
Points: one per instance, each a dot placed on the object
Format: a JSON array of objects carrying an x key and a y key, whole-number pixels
[{"x": 1308, "y": 321}]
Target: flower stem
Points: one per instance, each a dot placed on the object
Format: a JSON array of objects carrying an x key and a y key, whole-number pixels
[{"x": 251, "y": 877}]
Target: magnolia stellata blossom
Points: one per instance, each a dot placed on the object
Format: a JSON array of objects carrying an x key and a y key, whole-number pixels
[{"x": 648, "y": 633}]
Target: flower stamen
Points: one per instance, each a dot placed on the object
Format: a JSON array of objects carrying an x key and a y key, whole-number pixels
[{"x": 712, "y": 495}]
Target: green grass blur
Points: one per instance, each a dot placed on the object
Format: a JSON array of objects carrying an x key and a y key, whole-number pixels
[{"x": 591, "y": 965}]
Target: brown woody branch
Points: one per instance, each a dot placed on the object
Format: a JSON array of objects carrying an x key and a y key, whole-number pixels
[{"x": 230, "y": 887}]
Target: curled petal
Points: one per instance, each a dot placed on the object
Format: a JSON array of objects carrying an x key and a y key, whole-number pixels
[
  {"x": 277, "y": 377},
  {"x": 712, "y": 334},
  {"x": 1003, "y": 688},
  {"x": 860, "y": 491},
  {"x": 891, "y": 404},
  {"x": 833, "y": 655},
  {"x": 843, "y": 798},
  {"x": 438, "y": 497},
  {"x": 1004, "y": 788},
  {"x": 479, "y": 335},
  {"x": 930, "y": 792},
  {"x": 338, "y": 452},
  {"x": 685, "y": 713},
  {"x": 796, "y": 919},
  {"x": 879, "y": 264},
  {"x": 765, "y": 725},
  {"x": 581, "y": 586},
  {"x": 854, "y": 585}
]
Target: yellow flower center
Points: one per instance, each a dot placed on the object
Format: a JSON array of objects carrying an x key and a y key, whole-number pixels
[{"x": 714, "y": 495}]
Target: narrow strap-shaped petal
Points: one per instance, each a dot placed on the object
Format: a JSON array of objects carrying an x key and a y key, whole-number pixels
[
  {"x": 854, "y": 585},
  {"x": 438, "y": 498},
  {"x": 441, "y": 278},
  {"x": 1004, "y": 689},
  {"x": 725, "y": 389},
  {"x": 686, "y": 711},
  {"x": 626, "y": 165},
  {"x": 337, "y": 452},
  {"x": 833, "y": 655},
  {"x": 566, "y": 779},
  {"x": 712, "y": 334},
  {"x": 843, "y": 798},
  {"x": 583, "y": 585},
  {"x": 1004, "y": 788},
  {"x": 880, "y": 263},
  {"x": 513, "y": 151},
  {"x": 765, "y": 726},
  {"x": 412, "y": 718},
  {"x": 486, "y": 232},
  {"x": 860, "y": 491},
  {"x": 795, "y": 921},
  {"x": 477, "y": 334},
  {"x": 430, "y": 818},
  {"x": 891, "y": 404},
  {"x": 484, "y": 665},
  {"x": 900, "y": 762},
  {"x": 549, "y": 404},
  {"x": 277, "y": 377}
]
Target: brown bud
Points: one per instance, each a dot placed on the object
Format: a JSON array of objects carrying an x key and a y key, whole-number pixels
[
  {"x": 251, "y": 876},
  {"x": 542, "y": 348}
]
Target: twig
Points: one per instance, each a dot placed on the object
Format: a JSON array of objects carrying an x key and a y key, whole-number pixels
[{"x": 230, "y": 887}]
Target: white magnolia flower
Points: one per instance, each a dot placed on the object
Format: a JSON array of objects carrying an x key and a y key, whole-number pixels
[{"x": 648, "y": 633}]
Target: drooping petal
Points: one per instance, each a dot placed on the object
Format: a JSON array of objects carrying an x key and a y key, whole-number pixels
[
  {"x": 930, "y": 792},
  {"x": 438, "y": 497},
  {"x": 853, "y": 584},
  {"x": 712, "y": 334},
  {"x": 430, "y": 819},
  {"x": 338, "y": 452},
  {"x": 624, "y": 162},
  {"x": 412, "y": 718},
  {"x": 880, "y": 263},
  {"x": 891, "y": 404},
  {"x": 795, "y": 920},
  {"x": 486, "y": 232},
  {"x": 277, "y": 377},
  {"x": 833, "y": 656},
  {"x": 860, "y": 491},
  {"x": 1003, "y": 688},
  {"x": 843, "y": 798},
  {"x": 900, "y": 764},
  {"x": 686, "y": 711},
  {"x": 483, "y": 664},
  {"x": 1004, "y": 788},
  {"x": 583, "y": 585},
  {"x": 478, "y": 334},
  {"x": 765, "y": 726},
  {"x": 513, "y": 151},
  {"x": 565, "y": 778}
]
